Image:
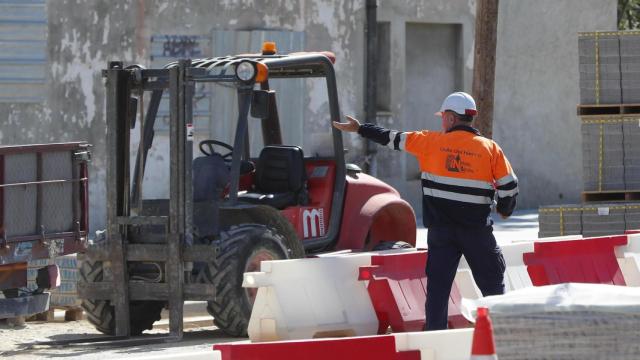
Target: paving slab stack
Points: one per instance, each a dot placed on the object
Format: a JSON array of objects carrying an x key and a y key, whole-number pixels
[
  {"x": 541, "y": 333},
  {"x": 632, "y": 217},
  {"x": 599, "y": 68},
  {"x": 630, "y": 81},
  {"x": 609, "y": 65},
  {"x": 566, "y": 321},
  {"x": 603, "y": 219},
  {"x": 588, "y": 219},
  {"x": 560, "y": 220},
  {"x": 602, "y": 155},
  {"x": 631, "y": 133},
  {"x": 66, "y": 295},
  {"x": 630, "y": 66}
]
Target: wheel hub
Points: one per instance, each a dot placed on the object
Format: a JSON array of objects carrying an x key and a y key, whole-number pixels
[{"x": 253, "y": 264}]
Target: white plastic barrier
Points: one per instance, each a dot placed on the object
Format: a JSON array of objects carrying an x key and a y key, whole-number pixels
[
  {"x": 515, "y": 275},
  {"x": 432, "y": 345},
  {"x": 205, "y": 354},
  {"x": 560, "y": 238},
  {"x": 309, "y": 298},
  {"x": 629, "y": 260},
  {"x": 466, "y": 285},
  {"x": 437, "y": 345}
]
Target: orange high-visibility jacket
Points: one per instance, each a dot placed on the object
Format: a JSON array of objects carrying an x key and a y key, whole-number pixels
[{"x": 461, "y": 173}]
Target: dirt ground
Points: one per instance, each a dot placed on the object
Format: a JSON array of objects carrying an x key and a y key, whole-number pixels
[{"x": 17, "y": 342}]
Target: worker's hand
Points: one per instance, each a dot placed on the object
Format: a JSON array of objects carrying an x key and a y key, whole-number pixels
[{"x": 352, "y": 124}]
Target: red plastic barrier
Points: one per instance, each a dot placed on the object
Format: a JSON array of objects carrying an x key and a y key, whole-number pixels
[
  {"x": 590, "y": 260},
  {"x": 369, "y": 347},
  {"x": 629, "y": 232},
  {"x": 397, "y": 287}
]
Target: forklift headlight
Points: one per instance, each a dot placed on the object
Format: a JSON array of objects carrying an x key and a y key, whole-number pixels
[{"x": 245, "y": 71}]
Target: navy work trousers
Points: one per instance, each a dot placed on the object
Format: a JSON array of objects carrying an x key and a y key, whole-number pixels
[{"x": 445, "y": 246}]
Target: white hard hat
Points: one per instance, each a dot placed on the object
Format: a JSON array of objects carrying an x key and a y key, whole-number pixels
[{"x": 460, "y": 102}]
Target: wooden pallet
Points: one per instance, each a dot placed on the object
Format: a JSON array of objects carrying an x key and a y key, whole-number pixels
[
  {"x": 608, "y": 109},
  {"x": 604, "y": 196},
  {"x": 70, "y": 314}
]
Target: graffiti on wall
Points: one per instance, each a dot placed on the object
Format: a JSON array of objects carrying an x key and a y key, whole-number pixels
[
  {"x": 166, "y": 48},
  {"x": 181, "y": 46}
]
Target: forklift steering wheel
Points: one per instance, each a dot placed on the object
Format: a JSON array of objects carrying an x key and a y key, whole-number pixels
[{"x": 211, "y": 143}]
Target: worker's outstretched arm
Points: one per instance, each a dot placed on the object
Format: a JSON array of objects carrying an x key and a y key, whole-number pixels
[{"x": 378, "y": 134}]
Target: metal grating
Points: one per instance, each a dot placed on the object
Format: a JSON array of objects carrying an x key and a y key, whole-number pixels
[
  {"x": 56, "y": 204},
  {"x": 57, "y": 199},
  {"x": 23, "y": 47},
  {"x": 20, "y": 201}
]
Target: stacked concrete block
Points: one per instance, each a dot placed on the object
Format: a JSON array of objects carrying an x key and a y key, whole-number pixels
[
  {"x": 566, "y": 335},
  {"x": 566, "y": 321},
  {"x": 603, "y": 219},
  {"x": 632, "y": 216},
  {"x": 593, "y": 219},
  {"x": 560, "y": 220},
  {"x": 599, "y": 68},
  {"x": 65, "y": 295},
  {"x": 609, "y": 65},
  {"x": 630, "y": 66},
  {"x": 631, "y": 129},
  {"x": 603, "y": 156}
]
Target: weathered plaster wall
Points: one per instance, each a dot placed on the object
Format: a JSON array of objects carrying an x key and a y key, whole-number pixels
[
  {"x": 397, "y": 169},
  {"x": 536, "y": 93},
  {"x": 82, "y": 37},
  {"x": 532, "y": 91},
  {"x": 327, "y": 25},
  {"x": 85, "y": 34},
  {"x": 536, "y": 88}
]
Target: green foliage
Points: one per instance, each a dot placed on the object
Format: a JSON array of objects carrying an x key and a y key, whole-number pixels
[{"x": 628, "y": 14}]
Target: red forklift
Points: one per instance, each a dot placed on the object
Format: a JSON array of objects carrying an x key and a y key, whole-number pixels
[{"x": 226, "y": 211}]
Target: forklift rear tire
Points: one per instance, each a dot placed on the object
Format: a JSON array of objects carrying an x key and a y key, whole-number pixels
[
  {"x": 271, "y": 218},
  {"x": 100, "y": 313},
  {"x": 240, "y": 250}
]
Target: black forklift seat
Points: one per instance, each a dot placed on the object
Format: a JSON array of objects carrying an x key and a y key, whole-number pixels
[{"x": 280, "y": 178}]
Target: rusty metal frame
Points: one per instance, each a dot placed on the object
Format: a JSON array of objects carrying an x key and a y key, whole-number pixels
[
  {"x": 17, "y": 250},
  {"x": 177, "y": 249},
  {"x": 38, "y": 244}
]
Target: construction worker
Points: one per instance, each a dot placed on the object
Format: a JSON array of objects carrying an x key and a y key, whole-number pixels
[{"x": 461, "y": 172}]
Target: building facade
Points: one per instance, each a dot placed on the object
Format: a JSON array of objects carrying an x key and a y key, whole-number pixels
[{"x": 51, "y": 89}]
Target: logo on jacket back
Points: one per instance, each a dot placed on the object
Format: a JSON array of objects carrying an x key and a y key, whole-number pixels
[{"x": 454, "y": 163}]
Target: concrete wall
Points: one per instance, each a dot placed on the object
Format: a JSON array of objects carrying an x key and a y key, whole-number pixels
[
  {"x": 422, "y": 61},
  {"x": 536, "y": 93},
  {"x": 536, "y": 89},
  {"x": 84, "y": 35}
]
